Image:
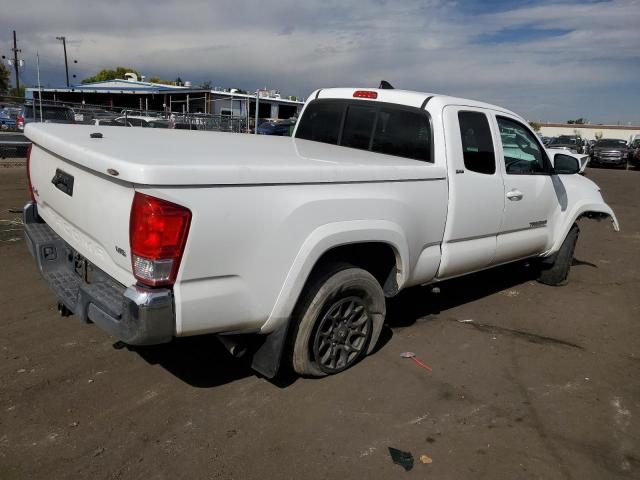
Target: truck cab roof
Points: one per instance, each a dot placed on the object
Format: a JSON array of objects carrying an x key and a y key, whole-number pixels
[{"x": 433, "y": 101}]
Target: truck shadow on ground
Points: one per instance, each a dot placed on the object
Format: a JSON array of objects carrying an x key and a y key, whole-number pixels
[
  {"x": 418, "y": 302},
  {"x": 203, "y": 362}
]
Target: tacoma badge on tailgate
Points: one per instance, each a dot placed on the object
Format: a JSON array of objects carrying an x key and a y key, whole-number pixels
[{"x": 63, "y": 182}]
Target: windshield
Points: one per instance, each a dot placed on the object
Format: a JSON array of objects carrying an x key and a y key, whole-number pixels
[{"x": 611, "y": 143}]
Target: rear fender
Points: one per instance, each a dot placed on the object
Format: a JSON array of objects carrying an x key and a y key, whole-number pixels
[{"x": 322, "y": 240}]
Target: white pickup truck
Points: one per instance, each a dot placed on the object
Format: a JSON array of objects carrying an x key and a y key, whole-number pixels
[{"x": 294, "y": 243}]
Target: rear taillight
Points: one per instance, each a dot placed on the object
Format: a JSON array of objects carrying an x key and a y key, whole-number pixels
[
  {"x": 365, "y": 94},
  {"x": 158, "y": 233},
  {"x": 20, "y": 121},
  {"x": 33, "y": 198}
]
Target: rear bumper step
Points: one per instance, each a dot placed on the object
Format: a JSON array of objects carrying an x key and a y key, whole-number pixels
[{"x": 135, "y": 315}]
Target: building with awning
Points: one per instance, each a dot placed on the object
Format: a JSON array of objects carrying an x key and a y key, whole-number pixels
[{"x": 131, "y": 93}]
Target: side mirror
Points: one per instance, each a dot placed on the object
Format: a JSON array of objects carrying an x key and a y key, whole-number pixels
[{"x": 565, "y": 164}]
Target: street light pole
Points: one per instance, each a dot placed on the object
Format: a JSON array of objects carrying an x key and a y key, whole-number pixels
[{"x": 66, "y": 65}]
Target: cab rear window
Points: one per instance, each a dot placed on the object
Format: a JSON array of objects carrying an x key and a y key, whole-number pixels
[{"x": 374, "y": 126}]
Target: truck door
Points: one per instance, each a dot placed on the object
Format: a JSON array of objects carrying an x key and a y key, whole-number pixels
[
  {"x": 530, "y": 198},
  {"x": 476, "y": 191}
]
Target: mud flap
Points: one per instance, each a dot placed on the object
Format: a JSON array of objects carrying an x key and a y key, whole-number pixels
[{"x": 267, "y": 355}]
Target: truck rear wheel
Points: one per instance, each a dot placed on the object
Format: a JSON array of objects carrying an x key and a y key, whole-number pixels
[
  {"x": 556, "y": 273},
  {"x": 337, "y": 321}
]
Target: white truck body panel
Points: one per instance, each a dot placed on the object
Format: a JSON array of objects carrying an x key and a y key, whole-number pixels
[
  {"x": 95, "y": 220},
  {"x": 255, "y": 266}
]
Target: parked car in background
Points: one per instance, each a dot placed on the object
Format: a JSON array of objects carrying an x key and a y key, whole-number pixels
[
  {"x": 87, "y": 115},
  {"x": 109, "y": 122},
  {"x": 277, "y": 127},
  {"x": 571, "y": 143},
  {"x": 634, "y": 153},
  {"x": 139, "y": 113},
  {"x": 7, "y": 120},
  {"x": 610, "y": 152},
  {"x": 46, "y": 114},
  {"x": 143, "y": 121}
]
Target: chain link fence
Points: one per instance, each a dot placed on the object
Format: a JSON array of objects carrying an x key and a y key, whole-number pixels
[{"x": 16, "y": 112}]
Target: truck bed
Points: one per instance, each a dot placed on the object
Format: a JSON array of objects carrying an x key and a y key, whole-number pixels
[{"x": 180, "y": 157}]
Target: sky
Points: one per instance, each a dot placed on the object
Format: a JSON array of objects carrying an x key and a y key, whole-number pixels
[{"x": 548, "y": 60}]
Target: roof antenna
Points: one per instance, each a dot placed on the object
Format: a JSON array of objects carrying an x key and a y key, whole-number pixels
[{"x": 384, "y": 85}]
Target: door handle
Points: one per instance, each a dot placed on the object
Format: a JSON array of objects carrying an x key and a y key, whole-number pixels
[{"x": 514, "y": 195}]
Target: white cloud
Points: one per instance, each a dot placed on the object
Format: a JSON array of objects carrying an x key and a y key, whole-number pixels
[{"x": 299, "y": 46}]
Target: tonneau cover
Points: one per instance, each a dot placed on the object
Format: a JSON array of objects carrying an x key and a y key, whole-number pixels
[{"x": 148, "y": 156}]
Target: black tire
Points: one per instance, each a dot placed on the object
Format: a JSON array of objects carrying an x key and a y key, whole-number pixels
[
  {"x": 324, "y": 328},
  {"x": 557, "y": 273}
]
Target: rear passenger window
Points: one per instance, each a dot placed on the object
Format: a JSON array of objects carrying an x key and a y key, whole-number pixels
[
  {"x": 404, "y": 133},
  {"x": 358, "y": 126},
  {"x": 321, "y": 122},
  {"x": 477, "y": 143}
]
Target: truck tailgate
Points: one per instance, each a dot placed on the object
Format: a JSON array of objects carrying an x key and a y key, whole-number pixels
[{"x": 90, "y": 211}]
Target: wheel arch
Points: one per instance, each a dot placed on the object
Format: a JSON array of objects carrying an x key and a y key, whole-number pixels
[
  {"x": 348, "y": 242},
  {"x": 596, "y": 211}
]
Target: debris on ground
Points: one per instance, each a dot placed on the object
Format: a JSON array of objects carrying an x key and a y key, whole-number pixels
[
  {"x": 98, "y": 451},
  {"x": 399, "y": 457},
  {"x": 510, "y": 293},
  {"x": 425, "y": 459},
  {"x": 469, "y": 320},
  {"x": 420, "y": 363}
]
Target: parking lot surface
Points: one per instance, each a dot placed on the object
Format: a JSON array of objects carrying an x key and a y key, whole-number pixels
[{"x": 528, "y": 381}]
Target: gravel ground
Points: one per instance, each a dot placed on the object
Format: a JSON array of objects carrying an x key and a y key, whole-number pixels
[{"x": 528, "y": 381}]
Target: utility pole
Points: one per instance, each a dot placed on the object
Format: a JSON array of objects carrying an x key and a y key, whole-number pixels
[
  {"x": 15, "y": 60},
  {"x": 66, "y": 65}
]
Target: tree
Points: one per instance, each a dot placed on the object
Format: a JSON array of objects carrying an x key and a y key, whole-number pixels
[
  {"x": 17, "y": 92},
  {"x": 535, "y": 125},
  {"x": 106, "y": 74},
  {"x": 4, "y": 78},
  {"x": 157, "y": 79},
  {"x": 206, "y": 85}
]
